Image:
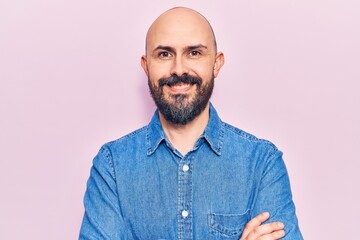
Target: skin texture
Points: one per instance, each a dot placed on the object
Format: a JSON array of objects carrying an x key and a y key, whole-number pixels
[
  {"x": 179, "y": 42},
  {"x": 255, "y": 231}
]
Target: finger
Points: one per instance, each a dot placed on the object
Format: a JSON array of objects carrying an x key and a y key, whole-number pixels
[
  {"x": 267, "y": 229},
  {"x": 253, "y": 223},
  {"x": 273, "y": 236}
]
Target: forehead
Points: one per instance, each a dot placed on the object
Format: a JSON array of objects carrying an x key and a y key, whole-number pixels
[{"x": 180, "y": 29}]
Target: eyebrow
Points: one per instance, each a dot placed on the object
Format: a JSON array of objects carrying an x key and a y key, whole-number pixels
[
  {"x": 189, "y": 48},
  {"x": 166, "y": 48},
  {"x": 171, "y": 49}
]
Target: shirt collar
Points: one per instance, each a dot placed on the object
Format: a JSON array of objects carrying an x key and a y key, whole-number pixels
[
  {"x": 154, "y": 134},
  {"x": 213, "y": 133}
]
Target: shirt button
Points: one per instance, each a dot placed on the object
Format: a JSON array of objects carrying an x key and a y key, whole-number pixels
[
  {"x": 185, "y": 168},
  {"x": 184, "y": 213}
]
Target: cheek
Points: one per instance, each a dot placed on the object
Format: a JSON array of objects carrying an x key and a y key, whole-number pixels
[
  {"x": 158, "y": 70},
  {"x": 204, "y": 69},
  {"x": 206, "y": 74}
]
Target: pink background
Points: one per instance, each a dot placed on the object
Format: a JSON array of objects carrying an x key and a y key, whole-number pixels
[{"x": 71, "y": 81}]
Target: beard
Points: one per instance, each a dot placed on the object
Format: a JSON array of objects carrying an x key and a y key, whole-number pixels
[{"x": 181, "y": 108}]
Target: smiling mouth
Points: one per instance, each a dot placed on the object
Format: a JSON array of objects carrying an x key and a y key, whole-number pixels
[
  {"x": 180, "y": 85},
  {"x": 179, "y": 88}
]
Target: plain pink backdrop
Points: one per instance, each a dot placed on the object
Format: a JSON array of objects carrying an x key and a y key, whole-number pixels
[{"x": 71, "y": 81}]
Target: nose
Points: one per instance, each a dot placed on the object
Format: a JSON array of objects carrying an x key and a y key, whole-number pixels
[{"x": 179, "y": 67}]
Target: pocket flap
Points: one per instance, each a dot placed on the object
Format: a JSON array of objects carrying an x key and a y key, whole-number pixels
[{"x": 229, "y": 224}]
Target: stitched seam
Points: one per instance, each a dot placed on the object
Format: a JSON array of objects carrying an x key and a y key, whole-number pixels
[
  {"x": 249, "y": 137},
  {"x": 129, "y": 135},
  {"x": 108, "y": 157}
]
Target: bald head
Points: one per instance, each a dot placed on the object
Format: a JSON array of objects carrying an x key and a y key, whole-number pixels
[
  {"x": 183, "y": 25},
  {"x": 181, "y": 63}
]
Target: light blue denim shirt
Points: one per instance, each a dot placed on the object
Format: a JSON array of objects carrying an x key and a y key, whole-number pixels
[{"x": 141, "y": 187}]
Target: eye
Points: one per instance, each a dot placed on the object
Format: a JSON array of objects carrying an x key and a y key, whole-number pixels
[
  {"x": 195, "y": 53},
  {"x": 164, "y": 54}
]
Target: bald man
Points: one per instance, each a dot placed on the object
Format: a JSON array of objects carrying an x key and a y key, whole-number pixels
[{"x": 187, "y": 175}]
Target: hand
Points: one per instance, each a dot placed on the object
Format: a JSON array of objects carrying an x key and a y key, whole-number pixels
[{"x": 255, "y": 231}]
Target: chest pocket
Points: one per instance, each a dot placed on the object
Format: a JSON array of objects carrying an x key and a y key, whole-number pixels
[{"x": 228, "y": 225}]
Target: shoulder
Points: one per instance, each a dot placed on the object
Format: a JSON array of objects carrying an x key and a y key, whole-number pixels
[
  {"x": 126, "y": 143},
  {"x": 236, "y": 136}
]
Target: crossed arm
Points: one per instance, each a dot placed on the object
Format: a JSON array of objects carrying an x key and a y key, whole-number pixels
[
  {"x": 100, "y": 193},
  {"x": 255, "y": 230}
]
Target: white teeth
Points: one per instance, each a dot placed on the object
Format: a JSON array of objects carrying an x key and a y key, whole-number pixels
[{"x": 181, "y": 86}]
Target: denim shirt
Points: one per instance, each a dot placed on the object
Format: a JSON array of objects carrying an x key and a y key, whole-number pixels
[{"x": 141, "y": 187}]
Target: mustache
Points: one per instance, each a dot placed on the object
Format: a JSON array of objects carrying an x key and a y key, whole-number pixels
[{"x": 171, "y": 81}]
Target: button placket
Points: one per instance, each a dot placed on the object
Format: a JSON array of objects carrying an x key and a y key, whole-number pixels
[{"x": 185, "y": 199}]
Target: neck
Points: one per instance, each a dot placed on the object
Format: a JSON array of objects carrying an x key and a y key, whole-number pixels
[{"x": 183, "y": 137}]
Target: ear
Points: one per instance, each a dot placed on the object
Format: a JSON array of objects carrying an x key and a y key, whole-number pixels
[
  {"x": 219, "y": 62},
  {"x": 144, "y": 64}
]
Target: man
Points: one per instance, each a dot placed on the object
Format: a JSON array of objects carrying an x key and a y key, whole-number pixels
[{"x": 187, "y": 175}]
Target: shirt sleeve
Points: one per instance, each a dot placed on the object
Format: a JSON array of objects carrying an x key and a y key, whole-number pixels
[
  {"x": 102, "y": 218},
  {"x": 274, "y": 196}
]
